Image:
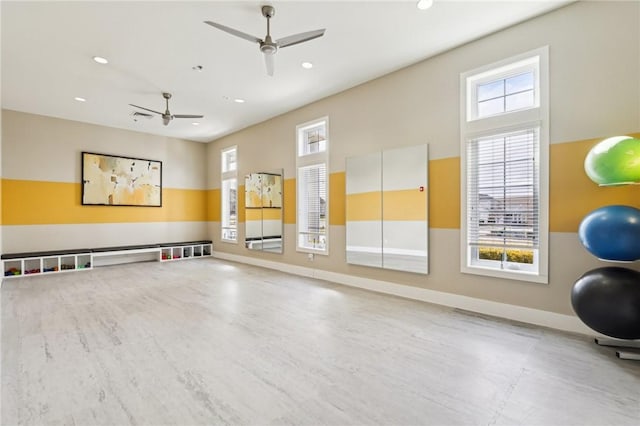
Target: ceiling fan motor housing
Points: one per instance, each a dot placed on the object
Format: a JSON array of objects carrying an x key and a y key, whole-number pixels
[
  {"x": 268, "y": 47},
  {"x": 268, "y": 11}
]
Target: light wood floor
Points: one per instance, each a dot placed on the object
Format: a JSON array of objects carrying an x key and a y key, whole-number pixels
[{"x": 213, "y": 342}]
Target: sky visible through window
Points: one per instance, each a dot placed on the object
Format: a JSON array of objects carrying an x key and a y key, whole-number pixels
[{"x": 507, "y": 94}]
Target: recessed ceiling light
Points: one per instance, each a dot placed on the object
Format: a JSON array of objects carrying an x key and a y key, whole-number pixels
[
  {"x": 100, "y": 60},
  {"x": 195, "y": 123},
  {"x": 238, "y": 101},
  {"x": 307, "y": 65},
  {"x": 79, "y": 99},
  {"x": 424, "y": 4}
]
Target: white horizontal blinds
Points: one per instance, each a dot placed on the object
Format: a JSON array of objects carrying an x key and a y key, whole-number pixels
[
  {"x": 229, "y": 209},
  {"x": 312, "y": 214},
  {"x": 229, "y": 194},
  {"x": 503, "y": 190}
]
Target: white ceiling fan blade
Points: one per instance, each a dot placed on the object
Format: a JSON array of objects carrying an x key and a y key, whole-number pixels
[
  {"x": 299, "y": 38},
  {"x": 234, "y": 32},
  {"x": 187, "y": 116},
  {"x": 146, "y": 109},
  {"x": 268, "y": 61}
]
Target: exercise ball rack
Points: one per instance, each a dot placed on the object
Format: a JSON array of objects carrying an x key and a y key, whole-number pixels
[{"x": 612, "y": 162}]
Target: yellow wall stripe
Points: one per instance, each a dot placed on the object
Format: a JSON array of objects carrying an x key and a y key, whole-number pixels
[
  {"x": 38, "y": 203},
  {"x": 253, "y": 215},
  {"x": 404, "y": 205},
  {"x": 263, "y": 214},
  {"x": 214, "y": 207},
  {"x": 400, "y": 205},
  {"x": 271, "y": 214},
  {"x": 364, "y": 206},
  {"x": 240, "y": 206},
  {"x": 337, "y": 191},
  {"x": 572, "y": 195},
  {"x": 444, "y": 193},
  {"x": 289, "y": 201}
]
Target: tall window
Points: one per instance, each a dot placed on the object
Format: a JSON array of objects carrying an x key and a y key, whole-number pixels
[
  {"x": 229, "y": 194},
  {"x": 504, "y": 131},
  {"x": 312, "y": 182}
]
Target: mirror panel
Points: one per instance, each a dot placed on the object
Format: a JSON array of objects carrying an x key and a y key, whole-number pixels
[
  {"x": 263, "y": 211},
  {"x": 364, "y": 210},
  {"x": 404, "y": 209},
  {"x": 387, "y": 209}
]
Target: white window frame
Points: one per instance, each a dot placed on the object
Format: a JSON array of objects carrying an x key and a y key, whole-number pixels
[
  {"x": 472, "y": 127},
  {"x": 227, "y": 175},
  {"x": 305, "y": 160}
]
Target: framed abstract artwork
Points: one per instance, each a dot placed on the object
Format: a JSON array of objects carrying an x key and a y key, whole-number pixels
[{"x": 110, "y": 180}]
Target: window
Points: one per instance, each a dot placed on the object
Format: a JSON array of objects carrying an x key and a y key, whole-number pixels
[
  {"x": 503, "y": 89},
  {"x": 502, "y": 200},
  {"x": 505, "y": 166},
  {"x": 312, "y": 139},
  {"x": 505, "y": 94},
  {"x": 229, "y": 195},
  {"x": 312, "y": 186}
]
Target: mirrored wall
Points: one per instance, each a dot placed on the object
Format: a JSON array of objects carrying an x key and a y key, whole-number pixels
[
  {"x": 263, "y": 211},
  {"x": 386, "y": 209}
]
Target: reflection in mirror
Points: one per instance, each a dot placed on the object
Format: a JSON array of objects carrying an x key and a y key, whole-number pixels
[
  {"x": 404, "y": 209},
  {"x": 364, "y": 210},
  {"x": 263, "y": 211},
  {"x": 386, "y": 209}
]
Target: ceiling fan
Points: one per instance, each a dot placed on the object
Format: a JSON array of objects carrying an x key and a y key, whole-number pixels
[
  {"x": 167, "y": 116},
  {"x": 267, "y": 46}
]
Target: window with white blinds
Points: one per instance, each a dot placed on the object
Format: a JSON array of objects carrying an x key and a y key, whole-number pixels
[
  {"x": 229, "y": 195},
  {"x": 229, "y": 225},
  {"x": 503, "y": 212},
  {"x": 312, "y": 207},
  {"x": 505, "y": 164},
  {"x": 312, "y": 186}
]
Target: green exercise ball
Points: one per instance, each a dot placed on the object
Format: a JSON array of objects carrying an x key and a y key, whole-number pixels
[{"x": 614, "y": 161}]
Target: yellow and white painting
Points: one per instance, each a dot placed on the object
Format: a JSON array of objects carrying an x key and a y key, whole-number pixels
[
  {"x": 263, "y": 190},
  {"x": 119, "y": 181}
]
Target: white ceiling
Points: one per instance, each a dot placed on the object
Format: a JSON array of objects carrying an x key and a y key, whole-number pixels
[{"x": 47, "y": 50}]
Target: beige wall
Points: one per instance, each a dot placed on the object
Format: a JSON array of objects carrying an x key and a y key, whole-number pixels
[
  {"x": 594, "y": 93},
  {"x": 41, "y": 174},
  {"x": 48, "y": 149}
]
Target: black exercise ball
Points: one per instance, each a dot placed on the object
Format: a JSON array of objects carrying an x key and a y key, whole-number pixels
[{"x": 608, "y": 301}]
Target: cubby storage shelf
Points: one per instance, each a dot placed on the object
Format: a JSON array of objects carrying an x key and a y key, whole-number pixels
[
  {"x": 184, "y": 251},
  {"x": 46, "y": 264},
  {"x": 43, "y": 263}
]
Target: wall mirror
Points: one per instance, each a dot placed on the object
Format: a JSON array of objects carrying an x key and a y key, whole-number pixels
[
  {"x": 263, "y": 211},
  {"x": 386, "y": 209}
]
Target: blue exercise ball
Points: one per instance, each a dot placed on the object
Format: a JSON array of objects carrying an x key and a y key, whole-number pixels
[
  {"x": 612, "y": 233},
  {"x": 608, "y": 301}
]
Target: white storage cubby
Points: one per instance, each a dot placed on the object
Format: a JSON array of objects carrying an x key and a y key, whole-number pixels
[
  {"x": 47, "y": 264},
  {"x": 32, "y": 266},
  {"x": 50, "y": 264},
  {"x": 28, "y": 264},
  {"x": 185, "y": 252}
]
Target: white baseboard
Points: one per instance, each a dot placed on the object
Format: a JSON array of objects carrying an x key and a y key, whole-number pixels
[{"x": 539, "y": 317}]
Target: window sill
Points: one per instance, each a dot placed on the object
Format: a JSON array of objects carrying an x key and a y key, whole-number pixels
[
  {"x": 312, "y": 251},
  {"x": 509, "y": 275}
]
